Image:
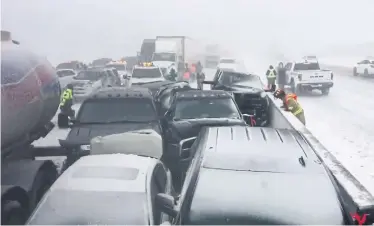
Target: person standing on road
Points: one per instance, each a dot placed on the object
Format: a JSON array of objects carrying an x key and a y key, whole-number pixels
[
  {"x": 200, "y": 80},
  {"x": 291, "y": 104},
  {"x": 67, "y": 101},
  {"x": 271, "y": 76},
  {"x": 281, "y": 78}
]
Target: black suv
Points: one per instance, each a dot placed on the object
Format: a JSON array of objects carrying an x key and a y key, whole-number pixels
[{"x": 110, "y": 111}]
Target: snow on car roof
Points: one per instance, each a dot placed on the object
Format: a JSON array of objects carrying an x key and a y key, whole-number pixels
[
  {"x": 113, "y": 172},
  {"x": 141, "y": 142}
]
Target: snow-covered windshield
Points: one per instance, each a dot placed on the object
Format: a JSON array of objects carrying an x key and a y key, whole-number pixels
[
  {"x": 89, "y": 75},
  {"x": 205, "y": 108},
  {"x": 163, "y": 57},
  {"x": 119, "y": 67},
  {"x": 231, "y": 78},
  {"x": 306, "y": 66},
  {"x": 146, "y": 73},
  {"x": 117, "y": 110}
]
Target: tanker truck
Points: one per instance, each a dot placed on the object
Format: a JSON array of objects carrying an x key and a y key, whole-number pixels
[{"x": 30, "y": 94}]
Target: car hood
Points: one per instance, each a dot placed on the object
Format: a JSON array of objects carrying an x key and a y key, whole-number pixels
[
  {"x": 146, "y": 80},
  {"x": 84, "y": 133},
  {"x": 191, "y": 127},
  {"x": 163, "y": 64}
]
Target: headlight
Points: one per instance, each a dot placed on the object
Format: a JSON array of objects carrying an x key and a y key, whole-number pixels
[
  {"x": 263, "y": 94},
  {"x": 85, "y": 147}
]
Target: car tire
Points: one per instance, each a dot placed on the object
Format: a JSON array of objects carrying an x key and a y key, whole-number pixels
[
  {"x": 366, "y": 72},
  {"x": 325, "y": 91},
  {"x": 355, "y": 71}
]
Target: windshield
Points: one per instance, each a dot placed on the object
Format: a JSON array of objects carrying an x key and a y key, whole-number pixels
[
  {"x": 80, "y": 207},
  {"x": 227, "y": 61},
  {"x": 163, "y": 57},
  {"x": 64, "y": 73},
  {"x": 205, "y": 108},
  {"x": 117, "y": 110},
  {"x": 119, "y": 67},
  {"x": 146, "y": 73},
  {"x": 306, "y": 67},
  {"x": 231, "y": 78},
  {"x": 89, "y": 75}
]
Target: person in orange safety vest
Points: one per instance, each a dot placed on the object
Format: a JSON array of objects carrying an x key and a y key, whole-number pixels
[{"x": 291, "y": 104}]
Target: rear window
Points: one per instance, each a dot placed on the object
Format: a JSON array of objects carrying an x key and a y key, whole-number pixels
[
  {"x": 64, "y": 73},
  {"x": 227, "y": 61},
  {"x": 205, "y": 108},
  {"x": 117, "y": 110},
  {"x": 230, "y": 78},
  {"x": 89, "y": 75},
  {"x": 146, "y": 73},
  {"x": 74, "y": 207},
  {"x": 306, "y": 66}
]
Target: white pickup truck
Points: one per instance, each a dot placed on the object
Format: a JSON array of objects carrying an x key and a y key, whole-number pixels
[{"x": 306, "y": 74}]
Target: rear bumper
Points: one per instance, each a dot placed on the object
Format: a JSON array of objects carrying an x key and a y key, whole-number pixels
[{"x": 321, "y": 85}]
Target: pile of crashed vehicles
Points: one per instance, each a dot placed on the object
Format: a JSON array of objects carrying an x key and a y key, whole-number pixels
[{"x": 169, "y": 169}]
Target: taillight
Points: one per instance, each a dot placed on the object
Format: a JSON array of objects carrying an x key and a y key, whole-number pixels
[
  {"x": 300, "y": 76},
  {"x": 332, "y": 76}
]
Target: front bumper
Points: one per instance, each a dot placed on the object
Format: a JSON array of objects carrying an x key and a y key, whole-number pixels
[{"x": 316, "y": 85}]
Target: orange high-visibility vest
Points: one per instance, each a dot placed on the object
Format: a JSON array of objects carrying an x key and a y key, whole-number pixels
[{"x": 289, "y": 96}]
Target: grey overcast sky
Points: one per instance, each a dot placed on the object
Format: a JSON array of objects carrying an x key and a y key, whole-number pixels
[{"x": 86, "y": 29}]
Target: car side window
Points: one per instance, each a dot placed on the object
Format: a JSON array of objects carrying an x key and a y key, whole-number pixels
[{"x": 158, "y": 185}]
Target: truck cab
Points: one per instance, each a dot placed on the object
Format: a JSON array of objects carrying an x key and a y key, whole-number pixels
[{"x": 306, "y": 74}]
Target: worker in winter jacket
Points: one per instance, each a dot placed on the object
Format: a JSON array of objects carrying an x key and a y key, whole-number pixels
[
  {"x": 291, "y": 104},
  {"x": 282, "y": 77},
  {"x": 271, "y": 76},
  {"x": 66, "y": 102},
  {"x": 200, "y": 79}
]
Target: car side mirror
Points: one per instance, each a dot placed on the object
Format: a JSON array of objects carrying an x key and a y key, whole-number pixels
[
  {"x": 167, "y": 204},
  {"x": 168, "y": 114},
  {"x": 185, "y": 148}
]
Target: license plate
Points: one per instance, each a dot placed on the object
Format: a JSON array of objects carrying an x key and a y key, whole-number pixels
[{"x": 316, "y": 86}]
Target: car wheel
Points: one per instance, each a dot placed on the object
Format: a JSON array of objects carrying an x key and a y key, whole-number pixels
[
  {"x": 325, "y": 91},
  {"x": 355, "y": 71},
  {"x": 366, "y": 73}
]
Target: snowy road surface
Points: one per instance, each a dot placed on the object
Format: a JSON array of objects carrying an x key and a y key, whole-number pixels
[{"x": 343, "y": 121}]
